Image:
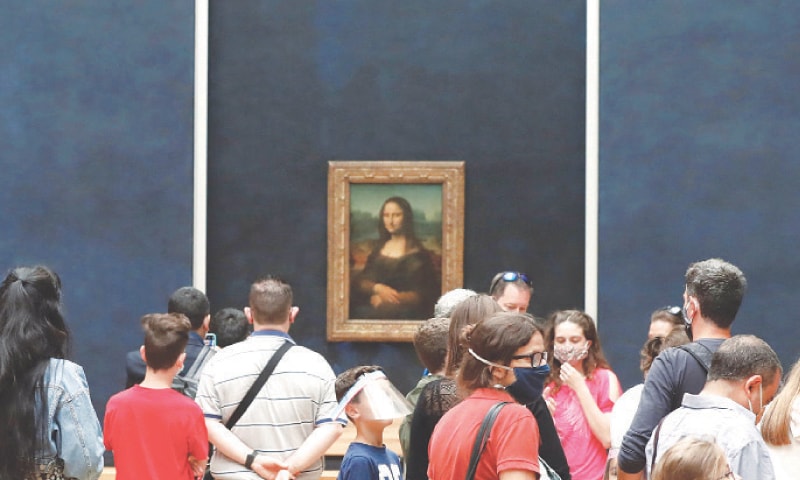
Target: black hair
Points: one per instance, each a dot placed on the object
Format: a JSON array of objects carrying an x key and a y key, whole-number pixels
[
  {"x": 32, "y": 331},
  {"x": 191, "y": 302}
]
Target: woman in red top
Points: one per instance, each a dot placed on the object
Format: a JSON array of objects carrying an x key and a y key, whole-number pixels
[
  {"x": 500, "y": 351},
  {"x": 582, "y": 392}
]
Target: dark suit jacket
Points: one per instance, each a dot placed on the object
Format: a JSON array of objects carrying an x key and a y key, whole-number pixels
[{"x": 136, "y": 368}]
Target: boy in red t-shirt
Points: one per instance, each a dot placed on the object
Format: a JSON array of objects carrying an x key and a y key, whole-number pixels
[{"x": 154, "y": 431}]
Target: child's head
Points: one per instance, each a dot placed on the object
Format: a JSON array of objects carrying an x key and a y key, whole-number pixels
[
  {"x": 364, "y": 393},
  {"x": 430, "y": 342},
  {"x": 689, "y": 457},
  {"x": 348, "y": 378},
  {"x": 165, "y": 338}
]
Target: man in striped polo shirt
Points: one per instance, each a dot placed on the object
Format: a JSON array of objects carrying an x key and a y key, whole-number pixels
[{"x": 288, "y": 427}]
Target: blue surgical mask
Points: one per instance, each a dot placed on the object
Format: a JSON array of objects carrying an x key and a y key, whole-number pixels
[{"x": 529, "y": 384}]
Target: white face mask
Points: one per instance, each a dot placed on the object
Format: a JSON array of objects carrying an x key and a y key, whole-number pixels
[{"x": 568, "y": 352}]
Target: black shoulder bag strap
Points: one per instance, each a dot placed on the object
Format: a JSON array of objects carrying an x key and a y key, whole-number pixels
[
  {"x": 700, "y": 352},
  {"x": 256, "y": 387},
  {"x": 251, "y": 395},
  {"x": 656, "y": 432},
  {"x": 482, "y": 437}
]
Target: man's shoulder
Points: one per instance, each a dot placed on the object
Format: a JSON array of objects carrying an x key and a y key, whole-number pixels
[{"x": 301, "y": 357}]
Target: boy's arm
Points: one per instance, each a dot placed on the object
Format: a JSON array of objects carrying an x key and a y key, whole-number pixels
[{"x": 314, "y": 447}]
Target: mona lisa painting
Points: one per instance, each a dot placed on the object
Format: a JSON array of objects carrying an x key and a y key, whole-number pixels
[{"x": 395, "y": 243}]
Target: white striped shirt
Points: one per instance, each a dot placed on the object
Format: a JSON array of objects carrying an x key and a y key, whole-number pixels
[{"x": 298, "y": 396}]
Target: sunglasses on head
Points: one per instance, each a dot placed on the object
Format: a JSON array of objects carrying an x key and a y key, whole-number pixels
[
  {"x": 509, "y": 277},
  {"x": 672, "y": 310}
]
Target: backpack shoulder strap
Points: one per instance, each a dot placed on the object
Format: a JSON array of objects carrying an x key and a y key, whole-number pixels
[
  {"x": 482, "y": 437},
  {"x": 700, "y": 352},
  {"x": 206, "y": 353}
]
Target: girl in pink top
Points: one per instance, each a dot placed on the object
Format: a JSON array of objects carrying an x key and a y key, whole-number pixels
[{"x": 582, "y": 392}]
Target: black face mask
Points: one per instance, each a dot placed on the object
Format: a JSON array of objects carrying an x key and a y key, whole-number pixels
[{"x": 529, "y": 384}]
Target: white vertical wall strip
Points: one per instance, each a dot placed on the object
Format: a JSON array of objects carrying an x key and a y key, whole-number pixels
[
  {"x": 592, "y": 153},
  {"x": 200, "y": 143}
]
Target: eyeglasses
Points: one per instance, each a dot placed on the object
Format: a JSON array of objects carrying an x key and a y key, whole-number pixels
[
  {"x": 672, "y": 310},
  {"x": 537, "y": 358},
  {"x": 509, "y": 277}
]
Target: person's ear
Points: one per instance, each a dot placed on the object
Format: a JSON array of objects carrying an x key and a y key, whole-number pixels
[
  {"x": 180, "y": 360},
  {"x": 141, "y": 354},
  {"x": 351, "y": 411},
  {"x": 498, "y": 374},
  {"x": 692, "y": 307},
  {"x": 249, "y": 314},
  {"x": 752, "y": 384},
  {"x": 207, "y": 321},
  {"x": 293, "y": 314}
]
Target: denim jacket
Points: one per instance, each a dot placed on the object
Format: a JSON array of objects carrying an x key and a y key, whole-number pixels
[{"x": 74, "y": 432}]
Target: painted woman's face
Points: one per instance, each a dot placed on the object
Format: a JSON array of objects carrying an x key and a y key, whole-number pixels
[{"x": 392, "y": 217}]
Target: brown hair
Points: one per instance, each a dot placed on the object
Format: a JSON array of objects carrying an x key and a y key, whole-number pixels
[
  {"x": 349, "y": 377},
  {"x": 470, "y": 311},
  {"x": 495, "y": 339},
  {"x": 775, "y": 424},
  {"x": 595, "y": 358},
  {"x": 165, "y": 338},
  {"x": 430, "y": 343},
  {"x": 652, "y": 347},
  {"x": 270, "y": 301}
]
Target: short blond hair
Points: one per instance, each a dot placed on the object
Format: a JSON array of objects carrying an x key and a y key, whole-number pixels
[{"x": 692, "y": 458}]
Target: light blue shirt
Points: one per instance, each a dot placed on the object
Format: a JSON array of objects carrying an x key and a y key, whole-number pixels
[
  {"x": 731, "y": 425},
  {"x": 73, "y": 429}
]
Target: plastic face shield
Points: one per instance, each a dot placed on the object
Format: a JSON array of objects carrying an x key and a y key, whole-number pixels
[{"x": 378, "y": 400}]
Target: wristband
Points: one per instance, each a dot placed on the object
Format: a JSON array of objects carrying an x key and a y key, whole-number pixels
[{"x": 248, "y": 462}]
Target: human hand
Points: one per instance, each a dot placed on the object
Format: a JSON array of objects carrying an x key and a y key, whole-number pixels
[
  {"x": 284, "y": 475},
  {"x": 268, "y": 467},
  {"x": 198, "y": 466},
  {"x": 386, "y": 293},
  {"x": 571, "y": 377},
  {"x": 549, "y": 401}
]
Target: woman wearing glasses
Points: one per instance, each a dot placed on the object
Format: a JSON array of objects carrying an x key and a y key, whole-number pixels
[
  {"x": 399, "y": 279},
  {"x": 582, "y": 393},
  {"x": 694, "y": 459},
  {"x": 502, "y": 351}
]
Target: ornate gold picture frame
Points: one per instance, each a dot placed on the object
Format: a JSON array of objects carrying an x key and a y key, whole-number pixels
[{"x": 395, "y": 244}]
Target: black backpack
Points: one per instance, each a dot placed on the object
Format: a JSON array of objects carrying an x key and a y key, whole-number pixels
[{"x": 186, "y": 383}]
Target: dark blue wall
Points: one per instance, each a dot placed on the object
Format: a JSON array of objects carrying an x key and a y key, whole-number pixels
[
  {"x": 698, "y": 121},
  {"x": 697, "y": 110},
  {"x": 497, "y": 84},
  {"x": 96, "y": 136}
]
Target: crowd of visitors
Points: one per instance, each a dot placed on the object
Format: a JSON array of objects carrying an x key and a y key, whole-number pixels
[{"x": 504, "y": 395}]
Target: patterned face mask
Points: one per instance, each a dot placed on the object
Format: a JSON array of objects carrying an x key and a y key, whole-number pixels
[{"x": 567, "y": 353}]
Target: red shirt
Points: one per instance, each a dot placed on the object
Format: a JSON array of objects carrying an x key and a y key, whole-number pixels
[
  {"x": 152, "y": 432},
  {"x": 513, "y": 443}
]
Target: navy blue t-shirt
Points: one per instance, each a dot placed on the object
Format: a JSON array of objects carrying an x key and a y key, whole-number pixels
[{"x": 365, "y": 462}]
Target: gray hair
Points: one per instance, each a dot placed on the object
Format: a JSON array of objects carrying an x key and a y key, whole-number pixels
[
  {"x": 449, "y": 301},
  {"x": 743, "y": 356}
]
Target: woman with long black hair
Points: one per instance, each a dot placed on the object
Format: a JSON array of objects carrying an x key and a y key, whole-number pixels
[{"x": 50, "y": 429}]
